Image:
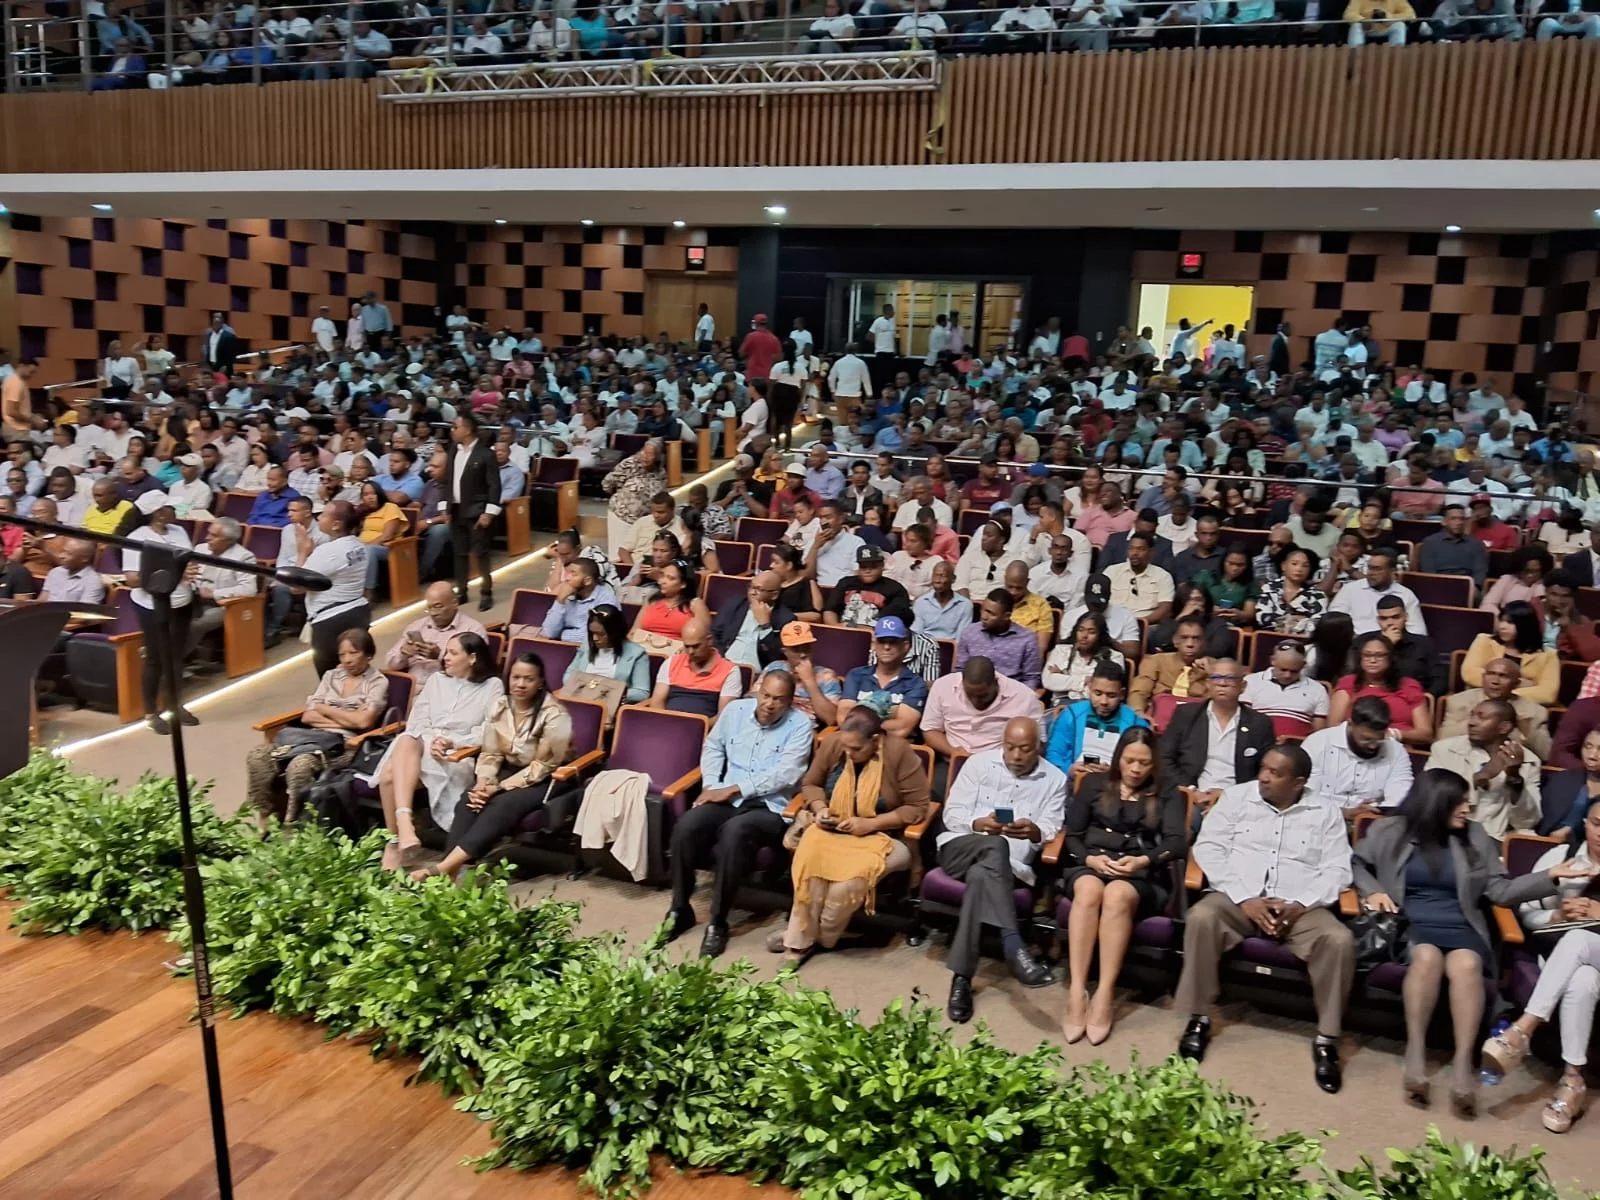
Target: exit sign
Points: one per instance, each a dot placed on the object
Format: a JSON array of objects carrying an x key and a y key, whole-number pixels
[
  {"x": 1191, "y": 266},
  {"x": 694, "y": 258}
]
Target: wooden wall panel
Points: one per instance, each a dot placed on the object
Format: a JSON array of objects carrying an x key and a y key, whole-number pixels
[{"x": 1475, "y": 100}]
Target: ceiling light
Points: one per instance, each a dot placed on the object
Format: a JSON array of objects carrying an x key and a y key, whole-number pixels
[
  {"x": 3, "y": 210},
  {"x": 101, "y": 207},
  {"x": 679, "y": 224},
  {"x": 1597, "y": 212},
  {"x": 1370, "y": 208},
  {"x": 499, "y": 220},
  {"x": 586, "y": 221},
  {"x": 776, "y": 210},
  {"x": 955, "y": 210},
  {"x": 1452, "y": 229}
]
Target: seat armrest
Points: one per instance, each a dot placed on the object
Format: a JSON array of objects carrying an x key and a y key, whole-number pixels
[
  {"x": 794, "y": 809},
  {"x": 1349, "y": 903},
  {"x": 1193, "y": 877},
  {"x": 1508, "y": 926},
  {"x": 381, "y": 731},
  {"x": 1051, "y": 854},
  {"x": 462, "y": 754},
  {"x": 913, "y": 833},
  {"x": 678, "y": 787},
  {"x": 578, "y": 766},
  {"x": 270, "y": 725}
]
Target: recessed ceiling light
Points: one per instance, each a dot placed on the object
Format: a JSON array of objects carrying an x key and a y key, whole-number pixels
[
  {"x": 499, "y": 220},
  {"x": 679, "y": 224},
  {"x": 1452, "y": 229},
  {"x": 776, "y": 210},
  {"x": 1155, "y": 208},
  {"x": 635, "y": 208},
  {"x": 586, "y": 221},
  {"x": 101, "y": 207},
  {"x": 1597, "y": 212},
  {"x": 1370, "y": 208}
]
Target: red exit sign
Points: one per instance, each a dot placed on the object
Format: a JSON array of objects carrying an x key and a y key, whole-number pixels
[
  {"x": 1191, "y": 266},
  {"x": 694, "y": 258}
]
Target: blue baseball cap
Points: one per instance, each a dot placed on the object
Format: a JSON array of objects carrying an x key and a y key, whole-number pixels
[{"x": 891, "y": 627}]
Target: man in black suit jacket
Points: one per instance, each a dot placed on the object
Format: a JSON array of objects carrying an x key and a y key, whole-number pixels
[
  {"x": 1584, "y": 565},
  {"x": 1187, "y": 742},
  {"x": 221, "y": 345},
  {"x": 472, "y": 500},
  {"x": 760, "y": 603}
]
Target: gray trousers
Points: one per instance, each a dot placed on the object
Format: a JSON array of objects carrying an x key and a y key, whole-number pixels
[{"x": 980, "y": 861}]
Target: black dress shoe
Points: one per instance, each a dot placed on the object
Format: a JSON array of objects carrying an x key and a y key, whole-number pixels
[
  {"x": 158, "y": 725},
  {"x": 1196, "y": 1037},
  {"x": 1030, "y": 972},
  {"x": 1325, "y": 1059},
  {"x": 485, "y": 602},
  {"x": 715, "y": 941},
  {"x": 185, "y": 717},
  {"x": 959, "y": 1006},
  {"x": 678, "y": 922}
]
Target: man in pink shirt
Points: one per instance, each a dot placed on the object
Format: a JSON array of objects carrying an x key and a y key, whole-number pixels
[
  {"x": 968, "y": 710},
  {"x": 1419, "y": 506},
  {"x": 760, "y": 349},
  {"x": 1112, "y": 516}
]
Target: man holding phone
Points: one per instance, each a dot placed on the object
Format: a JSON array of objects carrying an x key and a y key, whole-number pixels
[
  {"x": 419, "y": 650},
  {"x": 1004, "y": 805},
  {"x": 1087, "y": 731}
]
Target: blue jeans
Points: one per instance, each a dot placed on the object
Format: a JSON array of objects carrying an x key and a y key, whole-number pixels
[{"x": 377, "y": 565}]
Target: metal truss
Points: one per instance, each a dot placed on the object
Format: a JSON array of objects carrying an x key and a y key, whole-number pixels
[{"x": 912, "y": 70}]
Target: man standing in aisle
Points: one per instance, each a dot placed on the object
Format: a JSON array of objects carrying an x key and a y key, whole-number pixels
[
  {"x": 705, "y": 329},
  {"x": 885, "y": 356},
  {"x": 472, "y": 500},
  {"x": 849, "y": 382},
  {"x": 760, "y": 349},
  {"x": 323, "y": 330}
]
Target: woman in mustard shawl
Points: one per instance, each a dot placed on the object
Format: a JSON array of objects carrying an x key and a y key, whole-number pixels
[{"x": 863, "y": 789}]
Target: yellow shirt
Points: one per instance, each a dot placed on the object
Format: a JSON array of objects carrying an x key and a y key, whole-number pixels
[
  {"x": 1034, "y": 613},
  {"x": 98, "y": 520},
  {"x": 372, "y": 525}
]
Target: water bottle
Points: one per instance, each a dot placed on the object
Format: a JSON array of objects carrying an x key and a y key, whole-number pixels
[{"x": 1487, "y": 1075}]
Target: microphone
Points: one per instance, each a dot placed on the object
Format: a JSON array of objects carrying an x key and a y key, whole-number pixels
[{"x": 304, "y": 580}]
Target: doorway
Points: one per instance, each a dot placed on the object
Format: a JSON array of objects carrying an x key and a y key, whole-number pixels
[
  {"x": 988, "y": 310},
  {"x": 1161, "y": 305},
  {"x": 672, "y": 303}
]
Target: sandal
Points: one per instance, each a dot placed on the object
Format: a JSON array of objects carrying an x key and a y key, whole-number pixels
[
  {"x": 1418, "y": 1091},
  {"x": 391, "y": 855},
  {"x": 1506, "y": 1049},
  {"x": 1566, "y": 1106},
  {"x": 1464, "y": 1105}
]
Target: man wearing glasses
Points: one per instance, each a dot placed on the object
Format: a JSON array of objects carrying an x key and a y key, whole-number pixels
[
  {"x": 421, "y": 645},
  {"x": 1217, "y": 743},
  {"x": 742, "y": 625}
]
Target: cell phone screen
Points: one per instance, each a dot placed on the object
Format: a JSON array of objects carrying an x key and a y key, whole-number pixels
[{"x": 1004, "y": 815}]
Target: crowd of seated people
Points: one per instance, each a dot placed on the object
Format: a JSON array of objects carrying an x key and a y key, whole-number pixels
[
  {"x": 1093, "y": 726},
  {"x": 224, "y": 43}
]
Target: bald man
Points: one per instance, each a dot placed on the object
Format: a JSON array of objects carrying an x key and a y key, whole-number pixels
[
  {"x": 421, "y": 646},
  {"x": 741, "y": 626},
  {"x": 1006, "y": 804},
  {"x": 698, "y": 679}
]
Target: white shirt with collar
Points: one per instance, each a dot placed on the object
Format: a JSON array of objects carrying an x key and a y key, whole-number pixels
[
  {"x": 986, "y": 784},
  {"x": 1248, "y": 848},
  {"x": 226, "y": 583},
  {"x": 1303, "y": 700},
  {"x": 1342, "y": 778},
  {"x": 1359, "y": 601},
  {"x": 1222, "y": 740}
]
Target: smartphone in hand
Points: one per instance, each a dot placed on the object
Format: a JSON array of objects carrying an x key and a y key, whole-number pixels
[{"x": 1004, "y": 815}]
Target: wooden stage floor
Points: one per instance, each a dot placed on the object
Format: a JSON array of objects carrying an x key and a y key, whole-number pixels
[{"x": 102, "y": 1095}]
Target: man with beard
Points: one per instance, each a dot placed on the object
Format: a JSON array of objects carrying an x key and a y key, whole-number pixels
[{"x": 1356, "y": 765}]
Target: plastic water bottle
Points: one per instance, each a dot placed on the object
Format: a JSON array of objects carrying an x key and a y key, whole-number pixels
[{"x": 1487, "y": 1075}]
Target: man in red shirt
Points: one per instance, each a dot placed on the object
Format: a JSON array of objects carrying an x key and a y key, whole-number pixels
[
  {"x": 760, "y": 349},
  {"x": 987, "y": 489},
  {"x": 1490, "y": 529}
]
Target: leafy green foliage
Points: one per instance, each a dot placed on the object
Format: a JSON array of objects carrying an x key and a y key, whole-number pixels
[
  {"x": 1441, "y": 1170},
  {"x": 581, "y": 1052},
  {"x": 81, "y": 854}
]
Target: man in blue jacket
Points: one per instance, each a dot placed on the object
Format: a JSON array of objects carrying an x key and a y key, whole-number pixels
[{"x": 1087, "y": 731}]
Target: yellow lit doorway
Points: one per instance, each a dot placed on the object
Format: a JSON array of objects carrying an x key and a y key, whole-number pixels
[{"x": 1161, "y": 305}]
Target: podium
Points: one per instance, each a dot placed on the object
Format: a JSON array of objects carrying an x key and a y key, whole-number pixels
[{"x": 29, "y": 631}]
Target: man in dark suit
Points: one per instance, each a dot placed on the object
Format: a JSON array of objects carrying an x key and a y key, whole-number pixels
[
  {"x": 1278, "y": 357},
  {"x": 1584, "y": 565},
  {"x": 222, "y": 345},
  {"x": 1194, "y": 747},
  {"x": 741, "y": 627},
  {"x": 472, "y": 500}
]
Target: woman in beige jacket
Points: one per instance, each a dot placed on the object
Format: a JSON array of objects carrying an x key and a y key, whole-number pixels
[{"x": 527, "y": 735}]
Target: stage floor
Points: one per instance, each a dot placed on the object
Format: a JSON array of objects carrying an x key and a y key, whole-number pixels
[{"x": 102, "y": 1095}]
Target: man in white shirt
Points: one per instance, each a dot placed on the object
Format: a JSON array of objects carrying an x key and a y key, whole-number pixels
[
  {"x": 1276, "y": 859},
  {"x": 1062, "y": 575},
  {"x": 323, "y": 330},
  {"x": 919, "y": 495},
  {"x": 1426, "y": 387},
  {"x": 801, "y": 337},
  {"x": 885, "y": 349},
  {"x": 990, "y": 854},
  {"x": 1359, "y": 598},
  {"x": 938, "y": 340},
  {"x": 919, "y": 25},
  {"x": 1138, "y": 585},
  {"x": 1282, "y": 692},
  {"x": 705, "y": 329},
  {"x": 1370, "y": 453},
  {"x": 190, "y": 495},
  {"x": 214, "y": 586},
  {"x": 1356, "y": 766},
  {"x": 1477, "y": 481},
  {"x": 121, "y": 371},
  {"x": 849, "y": 380},
  {"x": 481, "y": 41},
  {"x": 831, "y": 553}
]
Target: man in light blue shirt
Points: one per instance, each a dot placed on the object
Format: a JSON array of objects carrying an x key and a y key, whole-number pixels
[
  {"x": 939, "y": 612},
  {"x": 750, "y": 765},
  {"x": 375, "y": 316},
  {"x": 568, "y": 618},
  {"x": 1189, "y": 456},
  {"x": 512, "y": 477},
  {"x": 822, "y": 477},
  {"x": 402, "y": 484},
  {"x": 833, "y": 554}
]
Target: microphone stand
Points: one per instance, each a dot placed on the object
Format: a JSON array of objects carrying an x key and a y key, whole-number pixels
[{"x": 161, "y": 571}]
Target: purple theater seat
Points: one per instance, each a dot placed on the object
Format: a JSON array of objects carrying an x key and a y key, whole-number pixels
[
  {"x": 556, "y": 656},
  {"x": 941, "y": 890},
  {"x": 264, "y": 541},
  {"x": 528, "y": 607},
  {"x": 1454, "y": 628},
  {"x": 1267, "y": 952},
  {"x": 719, "y": 591},
  {"x": 841, "y": 648},
  {"x": 761, "y": 531},
  {"x": 551, "y": 472},
  {"x": 664, "y": 745},
  {"x": 1448, "y": 591},
  {"x": 735, "y": 558}
]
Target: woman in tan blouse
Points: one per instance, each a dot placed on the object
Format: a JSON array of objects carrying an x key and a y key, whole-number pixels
[
  {"x": 350, "y": 700},
  {"x": 527, "y": 736}
]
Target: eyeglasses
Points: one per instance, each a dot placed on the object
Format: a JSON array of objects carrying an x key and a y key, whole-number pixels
[{"x": 1223, "y": 678}]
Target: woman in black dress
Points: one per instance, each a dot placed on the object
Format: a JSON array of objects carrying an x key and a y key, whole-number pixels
[{"x": 1123, "y": 830}]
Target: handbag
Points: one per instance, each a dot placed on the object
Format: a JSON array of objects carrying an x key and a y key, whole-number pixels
[
  {"x": 1381, "y": 938},
  {"x": 294, "y": 740},
  {"x": 599, "y": 689}
]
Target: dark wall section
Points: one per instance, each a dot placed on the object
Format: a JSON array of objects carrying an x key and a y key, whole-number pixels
[
  {"x": 758, "y": 281},
  {"x": 1051, "y": 260},
  {"x": 1104, "y": 286}
]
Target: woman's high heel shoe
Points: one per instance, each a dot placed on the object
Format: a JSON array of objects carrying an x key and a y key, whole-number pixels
[
  {"x": 1418, "y": 1092},
  {"x": 1464, "y": 1105},
  {"x": 1071, "y": 1030}
]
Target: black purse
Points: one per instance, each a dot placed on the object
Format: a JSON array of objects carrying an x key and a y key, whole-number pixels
[{"x": 1381, "y": 938}]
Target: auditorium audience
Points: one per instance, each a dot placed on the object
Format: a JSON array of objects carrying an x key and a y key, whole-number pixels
[
  {"x": 1519, "y": 640},
  {"x": 1356, "y": 765},
  {"x": 968, "y": 710},
  {"x": 420, "y": 648},
  {"x": 1377, "y": 673}
]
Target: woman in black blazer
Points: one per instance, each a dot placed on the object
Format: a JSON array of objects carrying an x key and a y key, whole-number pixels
[
  {"x": 1124, "y": 829},
  {"x": 1567, "y": 796}
]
